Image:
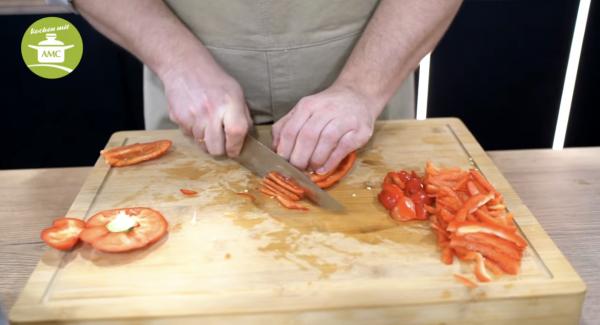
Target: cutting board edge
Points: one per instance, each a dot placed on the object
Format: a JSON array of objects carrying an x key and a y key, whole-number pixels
[{"x": 566, "y": 307}]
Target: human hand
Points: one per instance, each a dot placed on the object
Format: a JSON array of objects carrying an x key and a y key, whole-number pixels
[
  {"x": 209, "y": 105},
  {"x": 325, "y": 127}
]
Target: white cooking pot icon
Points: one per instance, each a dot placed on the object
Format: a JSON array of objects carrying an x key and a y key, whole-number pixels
[{"x": 51, "y": 50}]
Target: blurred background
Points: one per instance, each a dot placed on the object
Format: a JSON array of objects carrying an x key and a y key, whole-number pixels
[{"x": 500, "y": 68}]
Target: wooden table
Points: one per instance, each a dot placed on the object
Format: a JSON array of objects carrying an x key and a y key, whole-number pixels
[{"x": 561, "y": 188}]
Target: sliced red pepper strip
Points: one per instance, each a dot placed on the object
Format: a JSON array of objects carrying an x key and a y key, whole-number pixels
[
  {"x": 462, "y": 182},
  {"x": 186, "y": 191},
  {"x": 285, "y": 202},
  {"x": 430, "y": 169},
  {"x": 485, "y": 217},
  {"x": 431, "y": 189},
  {"x": 482, "y": 181},
  {"x": 465, "y": 281},
  {"x": 493, "y": 267},
  {"x": 450, "y": 175},
  {"x": 438, "y": 182},
  {"x": 280, "y": 189},
  {"x": 499, "y": 244},
  {"x": 472, "y": 188},
  {"x": 341, "y": 171},
  {"x": 446, "y": 215},
  {"x": 507, "y": 264},
  {"x": 498, "y": 199},
  {"x": 481, "y": 272},
  {"x": 447, "y": 255},
  {"x": 289, "y": 204},
  {"x": 442, "y": 238},
  {"x": 496, "y": 207},
  {"x": 319, "y": 177},
  {"x": 64, "y": 233},
  {"x": 472, "y": 205},
  {"x": 287, "y": 183},
  {"x": 472, "y": 218},
  {"x": 508, "y": 222},
  {"x": 464, "y": 254},
  {"x": 463, "y": 228},
  {"x": 135, "y": 153},
  {"x": 451, "y": 203},
  {"x": 447, "y": 191},
  {"x": 267, "y": 191}
]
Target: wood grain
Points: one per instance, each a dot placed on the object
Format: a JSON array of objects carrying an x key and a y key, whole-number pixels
[
  {"x": 411, "y": 159},
  {"x": 562, "y": 189},
  {"x": 30, "y": 200}
]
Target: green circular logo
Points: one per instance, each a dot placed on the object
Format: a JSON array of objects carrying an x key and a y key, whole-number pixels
[{"x": 51, "y": 47}]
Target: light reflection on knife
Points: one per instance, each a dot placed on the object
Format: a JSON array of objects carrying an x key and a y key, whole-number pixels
[{"x": 261, "y": 160}]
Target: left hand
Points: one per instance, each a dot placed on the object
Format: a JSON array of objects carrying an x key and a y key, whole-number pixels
[{"x": 325, "y": 127}]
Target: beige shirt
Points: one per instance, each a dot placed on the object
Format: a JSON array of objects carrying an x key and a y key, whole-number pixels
[{"x": 278, "y": 50}]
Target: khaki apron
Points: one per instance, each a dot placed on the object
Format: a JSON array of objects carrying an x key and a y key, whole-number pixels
[{"x": 278, "y": 50}]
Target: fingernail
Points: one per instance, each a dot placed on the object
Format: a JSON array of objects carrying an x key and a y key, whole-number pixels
[{"x": 321, "y": 171}]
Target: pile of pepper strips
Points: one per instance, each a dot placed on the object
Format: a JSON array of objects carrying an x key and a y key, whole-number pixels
[{"x": 467, "y": 214}]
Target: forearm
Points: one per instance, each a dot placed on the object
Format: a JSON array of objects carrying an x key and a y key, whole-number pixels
[
  {"x": 399, "y": 34},
  {"x": 149, "y": 30}
]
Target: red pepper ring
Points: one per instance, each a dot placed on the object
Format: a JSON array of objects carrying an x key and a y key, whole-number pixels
[{"x": 149, "y": 226}]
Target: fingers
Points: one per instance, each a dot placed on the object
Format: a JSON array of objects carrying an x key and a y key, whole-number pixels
[
  {"x": 328, "y": 141},
  {"x": 346, "y": 145},
  {"x": 198, "y": 134},
  {"x": 277, "y": 127},
  {"x": 214, "y": 136},
  {"x": 235, "y": 124},
  {"x": 307, "y": 140},
  {"x": 289, "y": 133}
]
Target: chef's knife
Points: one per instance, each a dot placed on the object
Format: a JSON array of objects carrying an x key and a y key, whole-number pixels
[{"x": 261, "y": 160}]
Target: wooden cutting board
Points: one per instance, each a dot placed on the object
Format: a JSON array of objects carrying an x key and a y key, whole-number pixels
[{"x": 227, "y": 260}]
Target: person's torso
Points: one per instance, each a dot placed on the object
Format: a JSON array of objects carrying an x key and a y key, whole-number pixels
[
  {"x": 278, "y": 50},
  {"x": 272, "y": 24}
]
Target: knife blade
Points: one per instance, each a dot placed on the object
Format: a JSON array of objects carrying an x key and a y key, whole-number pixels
[{"x": 261, "y": 160}]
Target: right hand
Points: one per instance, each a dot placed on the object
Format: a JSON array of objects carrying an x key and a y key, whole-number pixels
[{"x": 209, "y": 105}]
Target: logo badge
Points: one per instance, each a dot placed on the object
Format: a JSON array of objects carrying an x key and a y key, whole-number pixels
[{"x": 51, "y": 47}]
